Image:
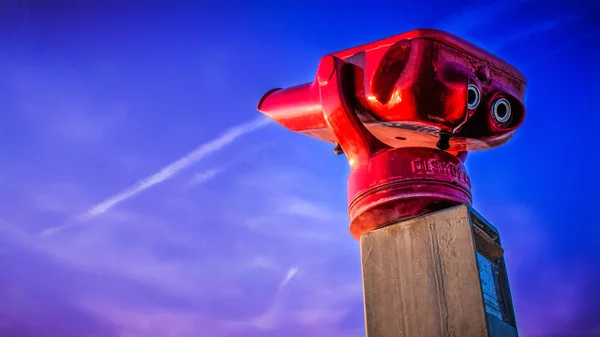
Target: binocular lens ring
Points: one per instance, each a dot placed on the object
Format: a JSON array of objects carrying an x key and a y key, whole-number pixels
[
  {"x": 473, "y": 96},
  {"x": 501, "y": 111}
]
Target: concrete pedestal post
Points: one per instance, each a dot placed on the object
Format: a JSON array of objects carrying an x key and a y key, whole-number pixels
[{"x": 438, "y": 275}]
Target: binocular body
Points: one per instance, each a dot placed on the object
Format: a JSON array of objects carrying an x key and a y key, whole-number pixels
[{"x": 405, "y": 110}]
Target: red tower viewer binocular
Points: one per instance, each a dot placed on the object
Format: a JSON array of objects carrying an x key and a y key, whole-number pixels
[{"x": 405, "y": 110}]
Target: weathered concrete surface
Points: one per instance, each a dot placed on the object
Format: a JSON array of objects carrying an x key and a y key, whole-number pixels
[{"x": 420, "y": 278}]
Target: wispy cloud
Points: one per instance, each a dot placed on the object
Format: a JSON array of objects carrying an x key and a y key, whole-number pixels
[
  {"x": 301, "y": 207},
  {"x": 288, "y": 277},
  {"x": 471, "y": 17},
  {"x": 537, "y": 28},
  {"x": 562, "y": 48},
  {"x": 167, "y": 172},
  {"x": 467, "y": 21},
  {"x": 290, "y": 208},
  {"x": 325, "y": 306},
  {"x": 170, "y": 253},
  {"x": 264, "y": 263},
  {"x": 202, "y": 177},
  {"x": 131, "y": 321},
  {"x": 63, "y": 111}
]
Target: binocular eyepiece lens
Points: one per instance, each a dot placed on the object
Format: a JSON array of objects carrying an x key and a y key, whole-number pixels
[
  {"x": 501, "y": 110},
  {"x": 473, "y": 96}
]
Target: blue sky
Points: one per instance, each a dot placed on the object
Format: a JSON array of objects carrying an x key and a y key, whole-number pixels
[{"x": 141, "y": 193}]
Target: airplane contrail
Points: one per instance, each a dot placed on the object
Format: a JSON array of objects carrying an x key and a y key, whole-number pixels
[
  {"x": 167, "y": 172},
  {"x": 201, "y": 177}
]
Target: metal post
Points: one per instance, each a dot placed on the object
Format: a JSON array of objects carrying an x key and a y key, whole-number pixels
[{"x": 405, "y": 111}]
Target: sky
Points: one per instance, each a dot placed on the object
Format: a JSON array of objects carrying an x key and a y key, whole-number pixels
[{"x": 142, "y": 194}]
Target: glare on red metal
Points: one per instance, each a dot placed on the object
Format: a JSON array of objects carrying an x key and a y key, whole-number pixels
[{"x": 405, "y": 110}]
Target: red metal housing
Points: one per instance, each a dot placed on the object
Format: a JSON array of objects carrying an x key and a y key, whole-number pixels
[{"x": 405, "y": 110}]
